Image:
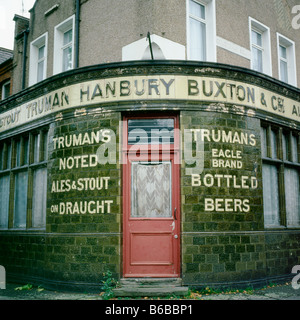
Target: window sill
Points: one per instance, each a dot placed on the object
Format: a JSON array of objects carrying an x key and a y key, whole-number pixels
[
  {"x": 268, "y": 228},
  {"x": 274, "y": 227}
]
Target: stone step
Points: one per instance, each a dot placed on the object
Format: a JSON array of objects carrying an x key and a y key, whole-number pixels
[
  {"x": 150, "y": 287},
  {"x": 150, "y": 282},
  {"x": 150, "y": 291}
]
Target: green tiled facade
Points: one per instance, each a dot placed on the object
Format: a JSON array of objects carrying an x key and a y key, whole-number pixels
[{"x": 223, "y": 238}]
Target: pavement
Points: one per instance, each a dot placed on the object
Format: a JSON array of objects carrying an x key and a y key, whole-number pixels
[{"x": 275, "y": 293}]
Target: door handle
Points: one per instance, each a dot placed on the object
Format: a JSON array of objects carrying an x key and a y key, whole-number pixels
[{"x": 175, "y": 210}]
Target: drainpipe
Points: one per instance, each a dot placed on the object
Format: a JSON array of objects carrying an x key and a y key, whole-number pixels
[
  {"x": 77, "y": 21},
  {"x": 25, "y": 37}
]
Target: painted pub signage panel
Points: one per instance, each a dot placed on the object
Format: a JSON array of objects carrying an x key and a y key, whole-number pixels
[{"x": 140, "y": 88}]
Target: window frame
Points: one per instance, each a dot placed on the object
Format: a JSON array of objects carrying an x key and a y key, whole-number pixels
[
  {"x": 59, "y": 46},
  {"x": 16, "y": 164},
  {"x": 258, "y": 27},
  {"x": 282, "y": 163},
  {"x": 290, "y": 59},
  {"x": 210, "y": 22},
  {"x": 35, "y": 45},
  {"x": 3, "y": 95}
]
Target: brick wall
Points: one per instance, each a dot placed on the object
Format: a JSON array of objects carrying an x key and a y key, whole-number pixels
[
  {"x": 82, "y": 257},
  {"x": 229, "y": 247},
  {"x": 79, "y": 243}
]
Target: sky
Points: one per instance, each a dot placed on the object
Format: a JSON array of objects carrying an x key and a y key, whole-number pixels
[{"x": 8, "y": 8}]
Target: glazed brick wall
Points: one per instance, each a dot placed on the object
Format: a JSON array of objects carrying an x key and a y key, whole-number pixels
[
  {"x": 74, "y": 248},
  {"x": 229, "y": 247},
  {"x": 217, "y": 247},
  {"x": 93, "y": 245},
  {"x": 194, "y": 216}
]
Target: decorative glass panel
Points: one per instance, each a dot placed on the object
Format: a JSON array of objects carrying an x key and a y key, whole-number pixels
[
  {"x": 151, "y": 190},
  {"x": 270, "y": 195}
]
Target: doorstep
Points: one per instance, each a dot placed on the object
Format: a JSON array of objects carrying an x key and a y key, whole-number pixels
[{"x": 150, "y": 287}]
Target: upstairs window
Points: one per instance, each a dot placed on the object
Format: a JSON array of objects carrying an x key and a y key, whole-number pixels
[
  {"x": 260, "y": 47},
  {"x": 5, "y": 90},
  {"x": 257, "y": 51},
  {"x": 38, "y": 59},
  {"x": 64, "y": 46},
  {"x": 67, "y": 50},
  {"x": 201, "y": 30},
  {"x": 286, "y": 60}
]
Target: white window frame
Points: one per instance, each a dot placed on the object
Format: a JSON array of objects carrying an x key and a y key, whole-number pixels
[
  {"x": 210, "y": 21},
  {"x": 266, "y": 45},
  {"x": 59, "y": 31},
  {"x": 3, "y": 89},
  {"x": 34, "y": 58},
  {"x": 290, "y": 59}
]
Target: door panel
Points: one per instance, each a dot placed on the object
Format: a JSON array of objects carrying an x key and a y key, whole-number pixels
[
  {"x": 151, "y": 190},
  {"x": 151, "y": 215}
]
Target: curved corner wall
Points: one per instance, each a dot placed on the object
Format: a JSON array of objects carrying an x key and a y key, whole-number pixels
[{"x": 75, "y": 123}]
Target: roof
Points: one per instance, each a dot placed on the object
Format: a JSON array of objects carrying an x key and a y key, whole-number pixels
[{"x": 5, "y": 54}]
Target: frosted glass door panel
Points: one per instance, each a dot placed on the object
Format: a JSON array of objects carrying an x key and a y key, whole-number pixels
[{"x": 151, "y": 190}]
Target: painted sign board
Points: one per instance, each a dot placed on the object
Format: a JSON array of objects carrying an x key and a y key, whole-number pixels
[{"x": 155, "y": 87}]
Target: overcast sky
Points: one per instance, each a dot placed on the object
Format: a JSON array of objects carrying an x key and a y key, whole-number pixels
[{"x": 8, "y": 8}]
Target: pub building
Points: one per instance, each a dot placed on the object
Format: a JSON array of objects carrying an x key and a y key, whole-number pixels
[{"x": 152, "y": 139}]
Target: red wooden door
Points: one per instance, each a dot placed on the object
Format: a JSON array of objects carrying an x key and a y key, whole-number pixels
[{"x": 151, "y": 215}]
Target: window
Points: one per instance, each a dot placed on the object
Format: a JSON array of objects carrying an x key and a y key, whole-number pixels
[
  {"x": 257, "y": 51},
  {"x": 64, "y": 46},
  {"x": 5, "y": 159},
  {"x": 201, "y": 30},
  {"x": 38, "y": 59},
  {"x": 286, "y": 60},
  {"x": 151, "y": 180},
  {"x": 5, "y": 90},
  {"x": 23, "y": 181},
  {"x": 260, "y": 45},
  {"x": 153, "y": 131},
  {"x": 281, "y": 192}
]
